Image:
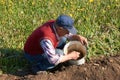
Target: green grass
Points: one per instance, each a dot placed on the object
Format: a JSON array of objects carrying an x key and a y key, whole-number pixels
[{"x": 98, "y": 20}]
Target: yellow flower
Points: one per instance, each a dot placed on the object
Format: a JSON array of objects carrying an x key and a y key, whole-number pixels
[
  {"x": 33, "y": 3},
  {"x": 41, "y": 20},
  {"x": 103, "y": 11},
  {"x": 71, "y": 2},
  {"x": 91, "y": 1},
  {"x": 108, "y": 7},
  {"x": 64, "y": 8},
  {"x": 71, "y": 15},
  {"x": 65, "y": 2},
  {"x": 50, "y": 3},
  {"x": 2, "y": 2}
]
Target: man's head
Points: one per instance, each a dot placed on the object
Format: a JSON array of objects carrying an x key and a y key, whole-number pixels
[{"x": 67, "y": 23}]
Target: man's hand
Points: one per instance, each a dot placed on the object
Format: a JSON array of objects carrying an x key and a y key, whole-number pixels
[
  {"x": 74, "y": 55},
  {"x": 80, "y": 38},
  {"x": 83, "y": 40}
]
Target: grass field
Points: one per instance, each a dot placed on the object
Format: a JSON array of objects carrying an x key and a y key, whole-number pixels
[{"x": 98, "y": 20}]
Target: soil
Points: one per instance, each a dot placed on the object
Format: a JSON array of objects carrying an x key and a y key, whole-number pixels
[{"x": 97, "y": 68}]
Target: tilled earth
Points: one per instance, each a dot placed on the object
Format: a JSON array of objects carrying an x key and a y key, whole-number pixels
[{"x": 98, "y": 68}]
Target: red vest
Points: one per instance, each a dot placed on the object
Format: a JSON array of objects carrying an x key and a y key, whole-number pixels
[{"x": 32, "y": 45}]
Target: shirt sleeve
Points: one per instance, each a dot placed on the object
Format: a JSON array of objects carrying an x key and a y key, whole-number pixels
[{"x": 49, "y": 51}]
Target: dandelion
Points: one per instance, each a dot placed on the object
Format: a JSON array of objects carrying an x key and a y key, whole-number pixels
[
  {"x": 64, "y": 8},
  {"x": 33, "y": 3},
  {"x": 103, "y": 11},
  {"x": 41, "y": 20},
  {"x": 54, "y": 14},
  {"x": 2, "y": 2},
  {"x": 65, "y": 2},
  {"x": 91, "y": 1},
  {"x": 22, "y": 12},
  {"x": 71, "y": 2},
  {"x": 34, "y": 21},
  {"x": 51, "y": 2},
  {"x": 108, "y": 7},
  {"x": 10, "y": 3},
  {"x": 71, "y": 15}
]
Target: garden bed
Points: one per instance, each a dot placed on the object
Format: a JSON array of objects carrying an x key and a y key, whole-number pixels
[{"x": 98, "y": 68}]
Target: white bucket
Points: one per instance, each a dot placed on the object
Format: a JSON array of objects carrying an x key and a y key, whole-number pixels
[{"x": 76, "y": 46}]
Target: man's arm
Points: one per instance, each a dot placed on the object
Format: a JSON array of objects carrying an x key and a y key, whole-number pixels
[
  {"x": 49, "y": 51},
  {"x": 80, "y": 38},
  {"x": 54, "y": 58},
  {"x": 72, "y": 55}
]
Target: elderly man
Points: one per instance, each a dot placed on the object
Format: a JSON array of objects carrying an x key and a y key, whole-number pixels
[{"x": 43, "y": 47}]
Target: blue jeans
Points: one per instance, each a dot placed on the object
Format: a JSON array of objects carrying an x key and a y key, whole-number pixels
[{"x": 41, "y": 60}]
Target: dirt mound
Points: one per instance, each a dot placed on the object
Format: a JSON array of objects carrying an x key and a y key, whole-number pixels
[{"x": 102, "y": 68}]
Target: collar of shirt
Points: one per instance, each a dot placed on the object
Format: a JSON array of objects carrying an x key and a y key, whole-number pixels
[{"x": 55, "y": 32}]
